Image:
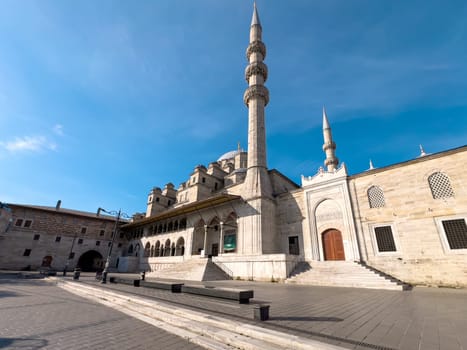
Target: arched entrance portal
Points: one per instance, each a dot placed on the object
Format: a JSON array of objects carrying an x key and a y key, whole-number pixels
[
  {"x": 90, "y": 261},
  {"x": 332, "y": 245},
  {"x": 46, "y": 261}
]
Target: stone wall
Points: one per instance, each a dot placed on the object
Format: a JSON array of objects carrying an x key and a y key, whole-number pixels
[
  {"x": 422, "y": 254},
  {"x": 53, "y": 233}
]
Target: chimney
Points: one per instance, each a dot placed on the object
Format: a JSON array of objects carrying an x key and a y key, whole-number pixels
[{"x": 59, "y": 203}]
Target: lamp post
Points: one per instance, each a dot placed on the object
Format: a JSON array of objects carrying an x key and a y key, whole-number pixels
[{"x": 117, "y": 215}]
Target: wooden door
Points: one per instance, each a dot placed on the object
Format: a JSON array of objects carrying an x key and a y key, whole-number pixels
[{"x": 333, "y": 246}]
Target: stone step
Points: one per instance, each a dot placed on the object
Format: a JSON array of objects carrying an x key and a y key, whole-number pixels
[
  {"x": 192, "y": 270},
  {"x": 342, "y": 274}
]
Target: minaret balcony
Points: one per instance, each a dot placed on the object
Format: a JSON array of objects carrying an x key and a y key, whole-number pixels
[
  {"x": 255, "y": 91},
  {"x": 256, "y": 46}
]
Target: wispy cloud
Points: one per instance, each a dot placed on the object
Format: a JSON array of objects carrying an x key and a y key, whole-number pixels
[
  {"x": 58, "y": 129},
  {"x": 29, "y": 143}
]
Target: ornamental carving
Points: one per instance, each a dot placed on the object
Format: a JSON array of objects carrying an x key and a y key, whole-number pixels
[
  {"x": 256, "y": 68},
  {"x": 256, "y": 91},
  {"x": 256, "y": 46}
]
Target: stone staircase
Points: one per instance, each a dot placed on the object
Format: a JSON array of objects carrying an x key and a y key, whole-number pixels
[
  {"x": 343, "y": 274},
  {"x": 192, "y": 270}
]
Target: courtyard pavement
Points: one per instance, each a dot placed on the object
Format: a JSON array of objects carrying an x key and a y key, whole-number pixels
[
  {"x": 423, "y": 318},
  {"x": 35, "y": 314},
  {"x": 354, "y": 318}
]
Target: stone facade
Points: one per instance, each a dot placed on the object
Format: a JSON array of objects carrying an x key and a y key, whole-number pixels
[
  {"x": 34, "y": 237},
  {"x": 422, "y": 252},
  {"x": 257, "y": 224}
]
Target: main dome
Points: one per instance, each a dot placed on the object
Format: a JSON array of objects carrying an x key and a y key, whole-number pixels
[{"x": 229, "y": 155}]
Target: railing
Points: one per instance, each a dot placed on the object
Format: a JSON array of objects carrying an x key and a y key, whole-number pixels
[{"x": 224, "y": 268}]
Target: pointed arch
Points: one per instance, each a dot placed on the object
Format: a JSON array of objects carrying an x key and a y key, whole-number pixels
[
  {"x": 157, "y": 249},
  {"x": 198, "y": 237},
  {"x": 147, "y": 249},
  {"x": 180, "y": 247},
  {"x": 229, "y": 241},
  {"x": 167, "y": 248}
]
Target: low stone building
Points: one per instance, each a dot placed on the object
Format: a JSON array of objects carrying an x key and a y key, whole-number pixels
[{"x": 39, "y": 237}]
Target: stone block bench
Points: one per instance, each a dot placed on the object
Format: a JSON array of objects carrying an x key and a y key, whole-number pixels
[
  {"x": 131, "y": 282},
  {"x": 173, "y": 287},
  {"x": 243, "y": 296}
]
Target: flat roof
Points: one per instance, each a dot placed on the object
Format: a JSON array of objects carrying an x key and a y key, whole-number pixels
[{"x": 411, "y": 161}]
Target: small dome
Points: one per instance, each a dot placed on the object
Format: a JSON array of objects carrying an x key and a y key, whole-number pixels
[{"x": 229, "y": 155}]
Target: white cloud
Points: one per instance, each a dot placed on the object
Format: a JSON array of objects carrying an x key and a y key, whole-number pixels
[
  {"x": 29, "y": 143},
  {"x": 58, "y": 129}
]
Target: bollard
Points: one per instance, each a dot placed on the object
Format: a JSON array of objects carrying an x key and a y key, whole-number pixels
[
  {"x": 76, "y": 274},
  {"x": 261, "y": 312},
  {"x": 143, "y": 275}
]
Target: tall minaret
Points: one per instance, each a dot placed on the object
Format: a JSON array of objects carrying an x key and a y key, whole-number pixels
[
  {"x": 329, "y": 146},
  {"x": 259, "y": 234},
  {"x": 256, "y": 97}
]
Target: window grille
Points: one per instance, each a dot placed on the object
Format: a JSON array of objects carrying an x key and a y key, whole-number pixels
[
  {"x": 440, "y": 186},
  {"x": 27, "y": 252},
  {"x": 385, "y": 239},
  {"x": 376, "y": 197},
  {"x": 456, "y": 233}
]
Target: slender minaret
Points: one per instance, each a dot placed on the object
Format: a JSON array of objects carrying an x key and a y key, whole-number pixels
[
  {"x": 256, "y": 97},
  {"x": 259, "y": 234},
  {"x": 329, "y": 146}
]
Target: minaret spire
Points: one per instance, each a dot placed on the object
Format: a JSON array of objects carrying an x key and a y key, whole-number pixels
[
  {"x": 329, "y": 146},
  {"x": 255, "y": 18},
  {"x": 256, "y": 97}
]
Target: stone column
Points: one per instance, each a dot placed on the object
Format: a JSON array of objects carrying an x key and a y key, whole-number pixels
[
  {"x": 205, "y": 239},
  {"x": 221, "y": 238}
]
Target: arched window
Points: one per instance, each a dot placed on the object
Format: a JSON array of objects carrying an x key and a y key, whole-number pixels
[
  {"x": 376, "y": 197},
  {"x": 180, "y": 248},
  {"x": 440, "y": 186},
  {"x": 157, "y": 250},
  {"x": 147, "y": 249},
  {"x": 167, "y": 248}
]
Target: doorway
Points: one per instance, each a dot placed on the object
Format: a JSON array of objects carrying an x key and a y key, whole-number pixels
[
  {"x": 90, "y": 261},
  {"x": 215, "y": 249},
  {"x": 333, "y": 246}
]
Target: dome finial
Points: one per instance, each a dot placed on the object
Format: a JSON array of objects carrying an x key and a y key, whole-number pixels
[{"x": 422, "y": 151}]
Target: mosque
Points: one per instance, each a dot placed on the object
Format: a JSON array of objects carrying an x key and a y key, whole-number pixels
[
  {"x": 238, "y": 219},
  {"x": 390, "y": 227}
]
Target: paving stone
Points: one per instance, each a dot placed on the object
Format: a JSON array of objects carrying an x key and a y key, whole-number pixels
[{"x": 38, "y": 315}]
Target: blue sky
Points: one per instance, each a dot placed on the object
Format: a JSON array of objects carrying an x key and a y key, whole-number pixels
[{"x": 102, "y": 100}]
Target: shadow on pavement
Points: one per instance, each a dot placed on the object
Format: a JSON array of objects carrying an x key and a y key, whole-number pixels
[
  {"x": 306, "y": 318},
  {"x": 23, "y": 343}
]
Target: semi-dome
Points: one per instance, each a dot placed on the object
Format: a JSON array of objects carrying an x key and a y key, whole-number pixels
[{"x": 229, "y": 155}]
